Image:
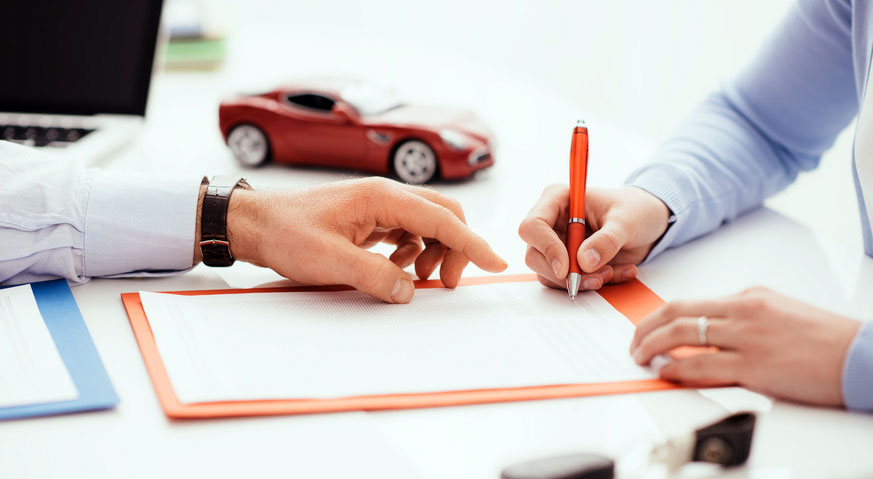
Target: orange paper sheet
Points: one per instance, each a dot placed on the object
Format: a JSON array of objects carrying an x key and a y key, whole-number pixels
[{"x": 633, "y": 299}]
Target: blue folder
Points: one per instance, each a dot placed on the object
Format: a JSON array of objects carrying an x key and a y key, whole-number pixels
[{"x": 65, "y": 323}]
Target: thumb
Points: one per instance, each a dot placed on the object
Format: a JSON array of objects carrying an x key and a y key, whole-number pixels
[
  {"x": 599, "y": 248},
  {"x": 373, "y": 274}
]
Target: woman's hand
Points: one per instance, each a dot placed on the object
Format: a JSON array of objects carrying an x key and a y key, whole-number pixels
[
  {"x": 320, "y": 235},
  {"x": 766, "y": 342},
  {"x": 623, "y": 225}
]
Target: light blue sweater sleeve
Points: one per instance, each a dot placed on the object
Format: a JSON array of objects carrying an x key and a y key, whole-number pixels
[{"x": 750, "y": 140}]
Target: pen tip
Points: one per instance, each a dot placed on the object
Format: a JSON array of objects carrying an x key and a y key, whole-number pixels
[
  {"x": 580, "y": 122},
  {"x": 572, "y": 297}
]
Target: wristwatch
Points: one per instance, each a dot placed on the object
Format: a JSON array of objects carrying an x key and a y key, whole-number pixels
[{"x": 214, "y": 243}]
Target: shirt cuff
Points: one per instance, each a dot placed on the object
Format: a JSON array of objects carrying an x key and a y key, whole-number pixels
[
  {"x": 137, "y": 223},
  {"x": 671, "y": 187},
  {"x": 858, "y": 371}
]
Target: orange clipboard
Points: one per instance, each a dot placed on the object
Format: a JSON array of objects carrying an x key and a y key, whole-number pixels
[{"x": 633, "y": 299}]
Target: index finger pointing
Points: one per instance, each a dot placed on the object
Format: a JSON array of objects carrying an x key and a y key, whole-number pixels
[{"x": 422, "y": 217}]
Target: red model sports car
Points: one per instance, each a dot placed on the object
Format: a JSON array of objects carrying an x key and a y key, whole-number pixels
[{"x": 350, "y": 124}]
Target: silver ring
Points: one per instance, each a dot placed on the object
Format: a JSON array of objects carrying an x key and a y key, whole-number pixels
[
  {"x": 702, "y": 326},
  {"x": 577, "y": 220}
]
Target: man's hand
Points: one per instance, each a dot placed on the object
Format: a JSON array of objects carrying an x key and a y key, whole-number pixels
[
  {"x": 320, "y": 235},
  {"x": 766, "y": 342},
  {"x": 622, "y": 226}
]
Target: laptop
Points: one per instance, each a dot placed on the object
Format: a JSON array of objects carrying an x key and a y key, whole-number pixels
[{"x": 75, "y": 74}]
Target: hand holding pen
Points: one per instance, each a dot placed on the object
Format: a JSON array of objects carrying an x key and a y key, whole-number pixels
[{"x": 621, "y": 227}]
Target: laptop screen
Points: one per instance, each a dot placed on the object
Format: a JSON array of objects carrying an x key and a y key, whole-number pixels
[{"x": 77, "y": 57}]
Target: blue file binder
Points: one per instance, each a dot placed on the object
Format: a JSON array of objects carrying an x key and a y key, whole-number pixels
[{"x": 65, "y": 323}]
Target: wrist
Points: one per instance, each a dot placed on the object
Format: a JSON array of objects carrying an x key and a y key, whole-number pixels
[
  {"x": 243, "y": 225},
  {"x": 656, "y": 212}
]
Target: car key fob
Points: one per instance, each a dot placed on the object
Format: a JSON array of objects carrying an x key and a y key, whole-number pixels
[{"x": 727, "y": 442}]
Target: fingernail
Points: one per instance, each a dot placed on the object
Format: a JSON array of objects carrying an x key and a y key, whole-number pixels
[
  {"x": 590, "y": 283},
  {"x": 556, "y": 266},
  {"x": 661, "y": 361},
  {"x": 638, "y": 356},
  {"x": 402, "y": 291},
  {"x": 591, "y": 258}
]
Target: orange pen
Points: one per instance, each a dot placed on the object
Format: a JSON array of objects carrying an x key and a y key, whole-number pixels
[{"x": 576, "y": 226}]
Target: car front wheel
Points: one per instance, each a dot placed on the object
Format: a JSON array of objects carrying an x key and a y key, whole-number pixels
[
  {"x": 415, "y": 162},
  {"x": 249, "y": 145}
]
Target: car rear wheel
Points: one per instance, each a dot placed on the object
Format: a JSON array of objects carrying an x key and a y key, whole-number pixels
[
  {"x": 249, "y": 145},
  {"x": 415, "y": 162}
]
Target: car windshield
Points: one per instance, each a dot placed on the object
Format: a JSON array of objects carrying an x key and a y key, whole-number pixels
[{"x": 370, "y": 99}]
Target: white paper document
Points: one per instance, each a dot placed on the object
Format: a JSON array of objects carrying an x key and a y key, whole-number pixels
[
  {"x": 31, "y": 370},
  {"x": 341, "y": 344}
]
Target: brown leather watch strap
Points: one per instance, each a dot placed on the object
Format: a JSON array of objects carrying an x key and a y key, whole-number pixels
[{"x": 214, "y": 243}]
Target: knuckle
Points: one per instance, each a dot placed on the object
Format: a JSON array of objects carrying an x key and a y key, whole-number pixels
[
  {"x": 554, "y": 249},
  {"x": 446, "y": 214},
  {"x": 670, "y": 309},
  {"x": 455, "y": 207},
  {"x": 410, "y": 248},
  {"x": 663, "y": 310},
  {"x": 530, "y": 258},
  {"x": 380, "y": 185},
  {"x": 443, "y": 219},
  {"x": 673, "y": 328},
  {"x": 370, "y": 193},
  {"x": 374, "y": 279},
  {"x": 612, "y": 238},
  {"x": 359, "y": 188},
  {"x": 366, "y": 184}
]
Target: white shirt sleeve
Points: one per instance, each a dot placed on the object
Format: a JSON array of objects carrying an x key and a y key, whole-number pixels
[{"x": 59, "y": 220}]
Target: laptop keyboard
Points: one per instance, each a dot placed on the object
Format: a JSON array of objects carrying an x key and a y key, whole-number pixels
[{"x": 56, "y": 137}]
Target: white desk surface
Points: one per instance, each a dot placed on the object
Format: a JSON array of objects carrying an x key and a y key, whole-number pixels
[{"x": 532, "y": 127}]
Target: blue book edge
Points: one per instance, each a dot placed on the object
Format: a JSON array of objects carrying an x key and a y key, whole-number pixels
[{"x": 70, "y": 334}]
